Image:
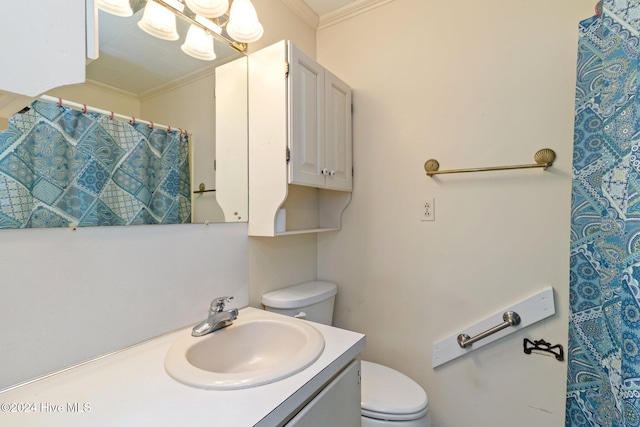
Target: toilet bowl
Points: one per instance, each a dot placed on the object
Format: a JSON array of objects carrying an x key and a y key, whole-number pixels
[{"x": 389, "y": 398}]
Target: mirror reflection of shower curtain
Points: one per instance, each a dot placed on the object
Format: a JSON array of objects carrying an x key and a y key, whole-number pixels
[
  {"x": 603, "y": 386},
  {"x": 59, "y": 166}
]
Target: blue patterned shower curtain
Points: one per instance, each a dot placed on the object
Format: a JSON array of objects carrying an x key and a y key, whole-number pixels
[
  {"x": 59, "y": 166},
  {"x": 603, "y": 387}
]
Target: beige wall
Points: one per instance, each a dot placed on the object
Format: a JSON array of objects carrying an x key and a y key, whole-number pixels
[
  {"x": 470, "y": 84},
  {"x": 105, "y": 98}
]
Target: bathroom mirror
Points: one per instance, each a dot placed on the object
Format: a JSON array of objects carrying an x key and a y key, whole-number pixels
[
  {"x": 137, "y": 73},
  {"x": 176, "y": 89}
]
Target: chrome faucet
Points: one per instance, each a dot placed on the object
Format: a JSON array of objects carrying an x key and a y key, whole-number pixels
[{"x": 217, "y": 319}]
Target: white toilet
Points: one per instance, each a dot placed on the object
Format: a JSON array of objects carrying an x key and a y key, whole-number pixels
[{"x": 389, "y": 398}]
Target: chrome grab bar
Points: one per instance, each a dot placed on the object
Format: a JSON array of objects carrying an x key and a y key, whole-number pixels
[{"x": 511, "y": 318}]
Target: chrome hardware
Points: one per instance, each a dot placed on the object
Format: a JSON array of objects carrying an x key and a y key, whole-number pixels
[
  {"x": 217, "y": 319},
  {"x": 300, "y": 315},
  {"x": 511, "y": 318}
]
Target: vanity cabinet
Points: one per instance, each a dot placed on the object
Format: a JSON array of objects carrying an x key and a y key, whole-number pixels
[
  {"x": 338, "y": 404},
  {"x": 300, "y": 144},
  {"x": 44, "y": 45}
]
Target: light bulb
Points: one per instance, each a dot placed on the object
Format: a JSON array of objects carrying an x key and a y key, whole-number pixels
[
  {"x": 199, "y": 44},
  {"x": 116, "y": 7},
  {"x": 208, "y": 8},
  {"x": 244, "y": 25},
  {"x": 158, "y": 21}
]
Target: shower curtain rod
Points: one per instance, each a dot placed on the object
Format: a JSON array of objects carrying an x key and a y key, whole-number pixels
[{"x": 84, "y": 108}]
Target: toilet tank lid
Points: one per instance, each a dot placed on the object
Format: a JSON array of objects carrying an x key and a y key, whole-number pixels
[{"x": 300, "y": 295}]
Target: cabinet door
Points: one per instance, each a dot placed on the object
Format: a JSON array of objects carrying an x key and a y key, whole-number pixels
[
  {"x": 42, "y": 44},
  {"x": 306, "y": 112},
  {"x": 231, "y": 145},
  {"x": 338, "y": 404},
  {"x": 338, "y": 133}
]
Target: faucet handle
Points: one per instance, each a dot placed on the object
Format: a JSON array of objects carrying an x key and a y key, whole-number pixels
[{"x": 217, "y": 305}]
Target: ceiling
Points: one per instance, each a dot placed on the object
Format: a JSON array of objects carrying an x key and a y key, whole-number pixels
[
  {"x": 139, "y": 64},
  {"x": 322, "y": 7}
]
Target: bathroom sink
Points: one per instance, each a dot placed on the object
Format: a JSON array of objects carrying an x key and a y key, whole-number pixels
[{"x": 256, "y": 349}]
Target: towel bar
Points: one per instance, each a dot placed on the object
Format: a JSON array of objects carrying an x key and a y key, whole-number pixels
[
  {"x": 202, "y": 189},
  {"x": 511, "y": 318},
  {"x": 544, "y": 158}
]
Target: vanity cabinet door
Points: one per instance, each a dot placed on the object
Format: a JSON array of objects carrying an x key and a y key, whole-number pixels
[{"x": 338, "y": 404}]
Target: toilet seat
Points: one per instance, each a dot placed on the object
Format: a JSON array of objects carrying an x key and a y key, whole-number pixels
[{"x": 390, "y": 395}]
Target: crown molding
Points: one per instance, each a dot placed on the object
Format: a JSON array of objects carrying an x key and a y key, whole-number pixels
[
  {"x": 190, "y": 78},
  {"x": 94, "y": 84},
  {"x": 304, "y": 12},
  {"x": 354, "y": 9}
]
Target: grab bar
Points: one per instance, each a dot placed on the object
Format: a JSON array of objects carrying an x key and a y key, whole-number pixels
[{"x": 511, "y": 318}]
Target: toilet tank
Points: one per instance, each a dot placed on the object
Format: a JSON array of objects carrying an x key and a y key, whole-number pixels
[{"x": 310, "y": 300}]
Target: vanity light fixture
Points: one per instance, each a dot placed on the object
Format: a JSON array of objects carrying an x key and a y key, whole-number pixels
[{"x": 207, "y": 18}]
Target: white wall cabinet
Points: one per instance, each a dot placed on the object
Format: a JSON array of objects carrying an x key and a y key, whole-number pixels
[
  {"x": 338, "y": 404},
  {"x": 44, "y": 45},
  {"x": 320, "y": 134},
  {"x": 299, "y": 142}
]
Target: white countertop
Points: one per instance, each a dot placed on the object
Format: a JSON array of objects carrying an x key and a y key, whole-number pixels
[{"x": 131, "y": 388}]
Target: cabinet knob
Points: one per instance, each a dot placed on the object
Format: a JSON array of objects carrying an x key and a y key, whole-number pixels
[
  {"x": 325, "y": 171},
  {"x": 332, "y": 173}
]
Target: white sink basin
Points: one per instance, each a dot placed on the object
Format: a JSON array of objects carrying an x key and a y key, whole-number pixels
[{"x": 257, "y": 349}]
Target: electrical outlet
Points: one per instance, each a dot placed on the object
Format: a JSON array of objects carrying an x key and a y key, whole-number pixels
[{"x": 427, "y": 210}]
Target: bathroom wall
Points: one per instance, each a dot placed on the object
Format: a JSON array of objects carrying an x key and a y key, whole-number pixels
[
  {"x": 69, "y": 296},
  {"x": 470, "y": 84}
]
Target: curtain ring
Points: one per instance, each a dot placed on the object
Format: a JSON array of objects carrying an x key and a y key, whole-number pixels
[
  {"x": 84, "y": 108},
  {"x": 169, "y": 129},
  {"x": 59, "y": 102},
  {"x": 133, "y": 120},
  {"x": 111, "y": 116},
  {"x": 151, "y": 125}
]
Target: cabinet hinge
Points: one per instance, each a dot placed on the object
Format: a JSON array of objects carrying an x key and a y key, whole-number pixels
[
  {"x": 286, "y": 69},
  {"x": 215, "y": 165},
  {"x": 288, "y": 155},
  {"x": 359, "y": 377},
  {"x": 351, "y": 108}
]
